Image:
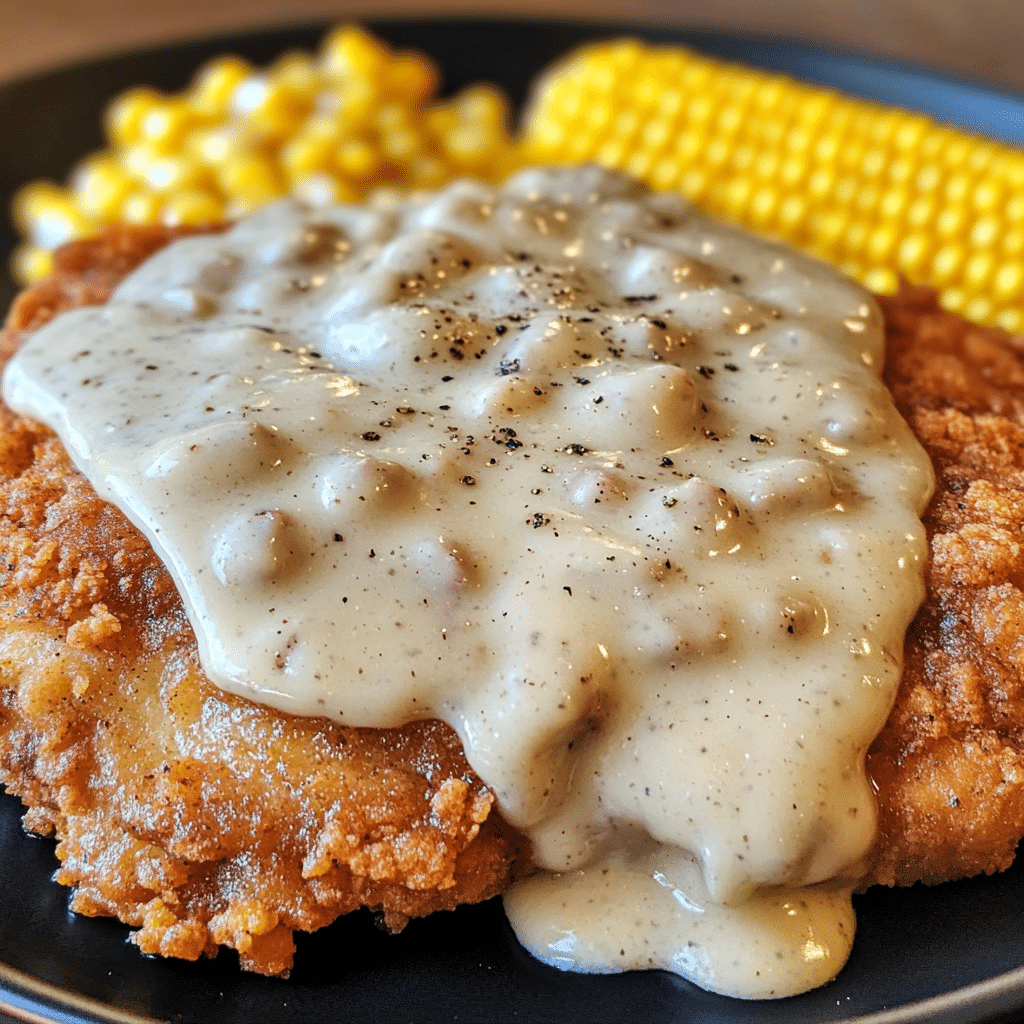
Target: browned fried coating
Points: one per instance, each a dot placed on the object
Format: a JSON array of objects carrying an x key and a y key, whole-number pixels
[
  {"x": 949, "y": 765},
  {"x": 198, "y": 817},
  {"x": 205, "y": 820}
]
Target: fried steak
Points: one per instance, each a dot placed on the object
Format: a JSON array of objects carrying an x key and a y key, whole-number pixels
[
  {"x": 204, "y": 820},
  {"x": 195, "y": 816},
  {"x": 949, "y": 764}
]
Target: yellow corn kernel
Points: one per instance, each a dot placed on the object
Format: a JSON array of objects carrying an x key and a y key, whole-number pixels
[
  {"x": 324, "y": 189},
  {"x": 763, "y": 207},
  {"x": 441, "y": 119},
  {"x": 879, "y": 245},
  {"x": 952, "y": 298},
  {"x": 212, "y": 146},
  {"x": 297, "y": 73},
  {"x": 1011, "y": 243},
  {"x": 947, "y": 264},
  {"x": 249, "y": 182},
  {"x": 32, "y": 201},
  {"x": 412, "y": 78},
  {"x": 827, "y": 228},
  {"x": 913, "y": 254},
  {"x": 308, "y": 152},
  {"x": 854, "y": 240},
  {"x": 639, "y": 164},
  {"x": 735, "y": 196},
  {"x": 921, "y": 211},
  {"x": 31, "y": 263},
  {"x": 899, "y": 170},
  {"x": 613, "y": 152},
  {"x": 909, "y": 133},
  {"x": 392, "y": 117},
  {"x": 141, "y": 207},
  {"x": 211, "y": 90},
  {"x": 349, "y": 106},
  {"x": 950, "y": 223},
  {"x": 986, "y": 195},
  {"x": 1011, "y": 320},
  {"x": 891, "y": 205},
  {"x": 879, "y": 191},
  {"x": 52, "y": 216},
  {"x": 191, "y": 207},
  {"x": 356, "y": 158},
  {"x": 929, "y": 177},
  {"x": 402, "y": 145},
  {"x": 664, "y": 174},
  {"x": 977, "y": 270},
  {"x": 694, "y": 183},
  {"x": 99, "y": 185},
  {"x": 881, "y": 279},
  {"x": 486, "y": 106},
  {"x": 166, "y": 173},
  {"x": 270, "y": 110},
  {"x": 124, "y": 115},
  {"x": 792, "y": 217},
  {"x": 978, "y": 309},
  {"x": 428, "y": 171},
  {"x": 821, "y": 184},
  {"x": 165, "y": 124},
  {"x": 467, "y": 145},
  {"x": 353, "y": 52},
  {"x": 1008, "y": 281}
]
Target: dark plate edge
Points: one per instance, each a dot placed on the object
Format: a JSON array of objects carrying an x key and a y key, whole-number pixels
[
  {"x": 26, "y": 998},
  {"x": 786, "y": 47}
]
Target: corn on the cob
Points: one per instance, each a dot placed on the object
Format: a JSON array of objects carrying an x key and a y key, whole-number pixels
[
  {"x": 876, "y": 191},
  {"x": 327, "y": 127}
]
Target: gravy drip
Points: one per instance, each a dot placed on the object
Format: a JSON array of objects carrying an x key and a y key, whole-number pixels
[{"x": 612, "y": 488}]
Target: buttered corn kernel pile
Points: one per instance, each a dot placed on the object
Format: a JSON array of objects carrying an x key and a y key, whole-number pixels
[
  {"x": 879, "y": 192},
  {"x": 876, "y": 191},
  {"x": 326, "y": 127}
]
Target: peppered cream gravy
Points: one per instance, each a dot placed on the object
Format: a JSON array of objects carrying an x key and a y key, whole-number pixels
[{"x": 612, "y": 488}]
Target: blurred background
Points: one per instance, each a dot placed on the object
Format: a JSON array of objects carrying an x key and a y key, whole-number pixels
[{"x": 977, "y": 39}]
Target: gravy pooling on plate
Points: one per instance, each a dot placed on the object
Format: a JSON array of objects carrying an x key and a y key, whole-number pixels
[{"x": 612, "y": 488}]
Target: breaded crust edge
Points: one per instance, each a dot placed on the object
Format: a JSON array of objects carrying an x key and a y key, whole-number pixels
[
  {"x": 204, "y": 820},
  {"x": 197, "y": 817},
  {"x": 949, "y": 764}
]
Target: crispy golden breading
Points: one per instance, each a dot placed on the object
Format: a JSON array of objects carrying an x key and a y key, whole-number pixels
[
  {"x": 206, "y": 820},
  {"x": 949, "y": 765},
  {"x": 196, "y": 816}
]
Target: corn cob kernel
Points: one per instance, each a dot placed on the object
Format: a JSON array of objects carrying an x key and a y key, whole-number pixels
[
  {"x": 191, "y": 207},
  {"x": 30, "y": 263},
  {"x": 212, "y": 88},
  {"x": 876, "y": 191},
  {"x": 140, "y": 207}
]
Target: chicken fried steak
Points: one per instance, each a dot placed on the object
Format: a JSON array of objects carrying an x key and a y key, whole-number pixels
[
  {"x": 204, "y": 820},
  {"x": 949, "y": 765},
  {"x": 197, "y": 817}
]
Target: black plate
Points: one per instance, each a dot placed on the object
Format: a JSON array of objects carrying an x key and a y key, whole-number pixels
[{"x": 954, "y": 953}]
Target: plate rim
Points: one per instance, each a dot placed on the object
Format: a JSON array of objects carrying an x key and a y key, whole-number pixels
[
  {"x": 29, "y": 998},
  {"x": 702, "y": 31}
]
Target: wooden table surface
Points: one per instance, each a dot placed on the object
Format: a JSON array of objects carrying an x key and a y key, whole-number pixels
[{"x": 979, "y": 39}]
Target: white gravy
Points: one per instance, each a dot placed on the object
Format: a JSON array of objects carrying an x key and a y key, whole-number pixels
[{"x": 613, "y": 489}]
